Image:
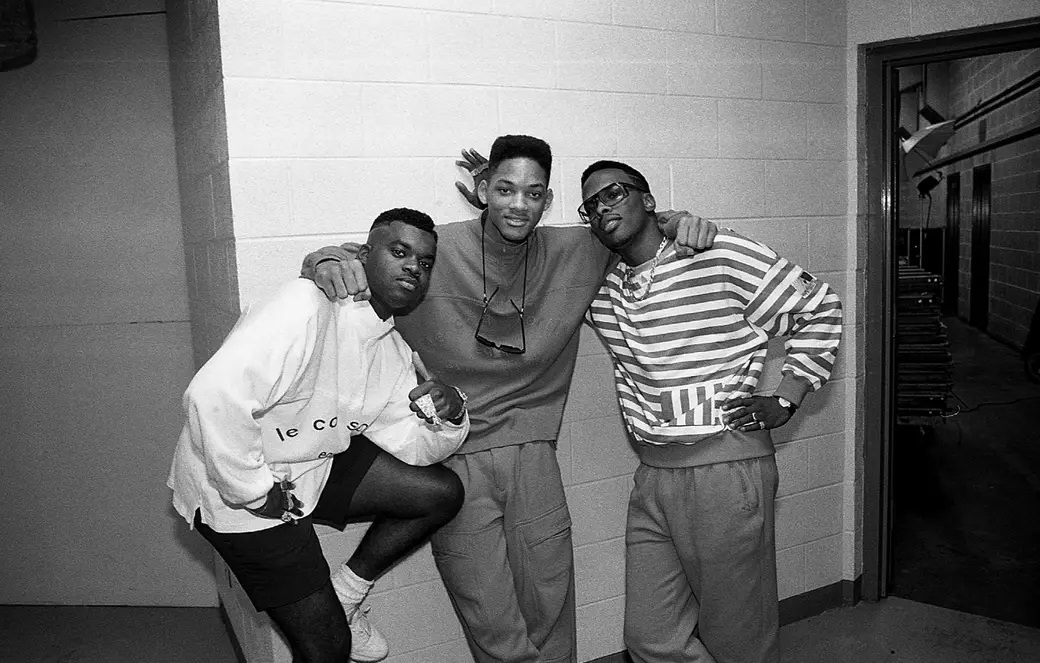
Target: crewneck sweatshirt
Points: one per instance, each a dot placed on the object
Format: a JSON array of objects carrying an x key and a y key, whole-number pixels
[
  {"x": 513, "y": 398},
  {"x": 688, "y": 334},
  {"x": 295, "y": 380}
]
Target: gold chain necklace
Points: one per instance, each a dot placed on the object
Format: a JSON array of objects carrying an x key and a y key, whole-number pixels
[{"x": 628, "y": 285}]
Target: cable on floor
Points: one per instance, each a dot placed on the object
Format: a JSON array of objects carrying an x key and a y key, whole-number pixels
[{"x": 958, "y": 410}]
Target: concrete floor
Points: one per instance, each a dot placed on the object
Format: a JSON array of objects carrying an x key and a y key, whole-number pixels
[
  {"x": 899, "y": 631},
  {"x": 894, "y": 630},
  {"x": 966, "y": 534},
  {"x": 76, "y": 634}
]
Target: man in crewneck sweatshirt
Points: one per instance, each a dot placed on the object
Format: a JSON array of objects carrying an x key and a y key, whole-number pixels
[
  {"x": 688, "y": 339},
  {"x": 273, "y": 442},
  {"x": 502, "y": 320}
]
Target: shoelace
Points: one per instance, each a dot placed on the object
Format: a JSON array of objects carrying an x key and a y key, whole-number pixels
[{"x": 361, "y": 620}]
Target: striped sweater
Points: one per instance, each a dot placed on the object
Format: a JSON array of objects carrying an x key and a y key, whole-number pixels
[{"x": 700, "y": 334}]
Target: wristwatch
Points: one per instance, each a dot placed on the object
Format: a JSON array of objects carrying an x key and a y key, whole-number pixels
[
  {"x": 465, "y": 398},
  {"x": 786, "y": 404}
]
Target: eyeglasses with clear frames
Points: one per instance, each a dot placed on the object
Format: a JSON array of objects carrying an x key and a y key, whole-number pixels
[{"x": 610, "y": 195}]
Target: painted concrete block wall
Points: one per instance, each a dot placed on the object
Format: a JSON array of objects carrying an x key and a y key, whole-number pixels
[
  {"x": 870, "y": 21},
  {"x": 198, "y": 102},
  {"x": 94, "y": 337},
  {"x": 1015, "y": 194},
  {"x": 735, "y": 109}
]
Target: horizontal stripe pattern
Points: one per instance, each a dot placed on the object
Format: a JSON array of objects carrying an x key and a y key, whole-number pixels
[{"x": 700, "y": 335}]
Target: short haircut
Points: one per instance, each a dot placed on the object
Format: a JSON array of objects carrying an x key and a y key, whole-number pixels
[
  {"x": 521, "y": 147},
  {"x": 606, "y": 164},
  {"x": 412, "y": 217}
]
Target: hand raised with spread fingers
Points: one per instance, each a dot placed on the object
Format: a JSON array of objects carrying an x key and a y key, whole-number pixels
[{"x": 477, "y": 166}]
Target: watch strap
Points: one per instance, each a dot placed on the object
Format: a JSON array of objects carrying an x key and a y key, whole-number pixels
[{"x": 465, "y": 399}]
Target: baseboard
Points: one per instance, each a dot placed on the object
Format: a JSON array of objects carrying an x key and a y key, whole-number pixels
[
  {"x": 795, "y": 608},
  {"x": 851, "y": 592},
  {"x": 240, "y": 655},
  {"x": 843, "y": 593},
  {"x": 812, "y": 603}
]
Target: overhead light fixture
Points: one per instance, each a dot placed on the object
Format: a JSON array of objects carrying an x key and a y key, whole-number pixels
[
  {"x": 929, "y": 140},
  {"x": 927, "y": 183},
  {"x": 924, "y": 145},
  {"x": 933, "y": 116}
]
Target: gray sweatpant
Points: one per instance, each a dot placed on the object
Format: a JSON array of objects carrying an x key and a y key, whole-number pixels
[
  {"x": 700, "y": 566},
  {"x": 506, "y": 558}
]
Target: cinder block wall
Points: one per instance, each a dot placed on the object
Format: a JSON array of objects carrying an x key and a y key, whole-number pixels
[
  {"x": 197, "y": 82},
  {"x": 734, "y": 109},
  {"x": 1015, "y": 190}
]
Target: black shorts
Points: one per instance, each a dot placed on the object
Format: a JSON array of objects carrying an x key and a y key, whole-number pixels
[{"x": 285, "y": 563}]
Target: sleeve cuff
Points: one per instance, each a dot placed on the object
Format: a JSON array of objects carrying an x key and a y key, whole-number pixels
[
  {"x": 343, "y": 252},
  {"x": 793, "y": 388},
  {"x": 462, "y": 422},
  {"x": 257, "y": 503}
]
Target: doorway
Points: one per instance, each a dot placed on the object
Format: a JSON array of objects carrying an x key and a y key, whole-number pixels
[{"x": 949, "y": 423}]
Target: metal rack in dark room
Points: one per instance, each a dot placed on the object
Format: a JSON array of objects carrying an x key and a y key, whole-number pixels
[{"x": 924, "y": 365}]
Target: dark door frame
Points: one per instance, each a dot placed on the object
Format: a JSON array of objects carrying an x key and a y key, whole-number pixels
[
  {"x": 981, "y": 197},
  {"x": 878, "y": 91}
]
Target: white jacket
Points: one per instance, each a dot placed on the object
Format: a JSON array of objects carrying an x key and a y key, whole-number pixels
[{"x": 296, "y": 378}]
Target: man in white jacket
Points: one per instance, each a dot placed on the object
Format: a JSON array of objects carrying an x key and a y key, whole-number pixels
[{"x": 311, "y": 411}]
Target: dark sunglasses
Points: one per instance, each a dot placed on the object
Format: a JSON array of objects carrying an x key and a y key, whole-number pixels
[{"x": 510, "y": 349}]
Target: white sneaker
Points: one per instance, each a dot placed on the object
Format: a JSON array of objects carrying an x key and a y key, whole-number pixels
[{"x": 366, "y": 643}]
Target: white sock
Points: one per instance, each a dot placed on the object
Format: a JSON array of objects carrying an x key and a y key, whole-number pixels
[{"x": 351, "y": 589}]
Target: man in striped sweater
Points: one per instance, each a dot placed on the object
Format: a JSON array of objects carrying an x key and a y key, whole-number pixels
[{"x": 688, "y": 338}]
